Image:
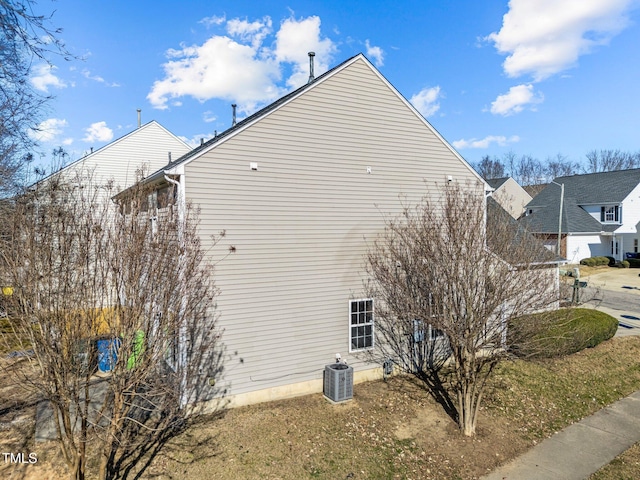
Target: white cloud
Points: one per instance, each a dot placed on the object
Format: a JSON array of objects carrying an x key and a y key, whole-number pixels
[
  {"x": 48, "y": 130},
  {"x": 516, "y": 100},
  {"x": 293, "y": 42},
  {"x": 214, "y": 20},
  {"x": 244, "y": 66},
  {"x": 44, "y": 78},
  {"x": 252, "y": 32},
  {"x": 376, "y": 53},
  {"x": 208, "y": 116},
  {"x": 97, "y": 78},
  {"x": 196, "y": 140},
  {"x": 220, "y": 68},
  {"x": 98, "y": 132},
  {"x": 426, "y": 101},
  {"x": 544, "y": 37},
  {"x": 485, "y": 142}
]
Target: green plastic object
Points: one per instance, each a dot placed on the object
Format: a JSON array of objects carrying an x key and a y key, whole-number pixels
[{"x": 137, "y": 350}]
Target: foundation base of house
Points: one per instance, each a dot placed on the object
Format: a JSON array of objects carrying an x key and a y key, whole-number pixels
[{"x": 286, "y": 391}]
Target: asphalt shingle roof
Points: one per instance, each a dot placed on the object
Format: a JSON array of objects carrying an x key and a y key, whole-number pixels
[
  {"x": 496, "y": 183},
  {"x": 605, "y": 188},
  {"x": 497, "y": 215}
]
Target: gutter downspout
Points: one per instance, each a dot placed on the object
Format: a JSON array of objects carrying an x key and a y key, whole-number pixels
[{"x": 182, "y": 335}]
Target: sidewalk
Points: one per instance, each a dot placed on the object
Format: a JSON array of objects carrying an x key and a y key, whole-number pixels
[{"x": 580, "y": 449}]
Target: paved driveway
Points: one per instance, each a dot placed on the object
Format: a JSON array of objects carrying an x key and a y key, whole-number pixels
[{"x": 617, "y": 292}]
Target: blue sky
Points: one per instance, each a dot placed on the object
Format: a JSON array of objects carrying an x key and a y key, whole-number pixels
[{"x": 536, "y": 77}]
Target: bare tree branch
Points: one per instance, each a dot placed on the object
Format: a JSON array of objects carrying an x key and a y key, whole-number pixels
[
  {"x": 132, "y": 277},
  {"x": 448, "y": 278}
]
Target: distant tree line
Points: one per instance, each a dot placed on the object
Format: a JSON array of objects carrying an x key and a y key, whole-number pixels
[{"x": 528, "y": 170}]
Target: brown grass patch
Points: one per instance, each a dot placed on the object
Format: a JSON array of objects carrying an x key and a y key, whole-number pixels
[{"x": 391, "y": 429}]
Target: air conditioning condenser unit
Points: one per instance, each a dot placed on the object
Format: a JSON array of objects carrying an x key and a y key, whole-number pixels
[{"x": 338, "y": 382}]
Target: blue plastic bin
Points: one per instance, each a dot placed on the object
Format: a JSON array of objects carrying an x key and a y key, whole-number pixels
[{"x": 107, "y": 353}]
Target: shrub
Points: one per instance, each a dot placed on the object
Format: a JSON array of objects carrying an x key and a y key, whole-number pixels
[
  {"x": 561, "y": 332},
  {"x": 622, "y": 264},
  {"x": 597, "y": 261}
]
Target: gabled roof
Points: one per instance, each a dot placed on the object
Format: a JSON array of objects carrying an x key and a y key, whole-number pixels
[
  {"x": 591, "y": 189},
  {"x": 100, "y": 150},
  {"x": 497, "y": 215},
  {"x": 534, "y": 190},
  {"x": 496, "y": 183},
  {"x": 196, "y": 152}
]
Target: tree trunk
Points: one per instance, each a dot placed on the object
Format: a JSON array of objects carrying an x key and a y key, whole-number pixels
[
  {"x": 467, "y": 421},
  {"x": 78, "y": 467}
]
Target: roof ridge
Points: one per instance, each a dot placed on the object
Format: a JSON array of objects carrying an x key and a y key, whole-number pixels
[
  {"x": 626, "y": 170},
  {"x": 257, "y": 114}
]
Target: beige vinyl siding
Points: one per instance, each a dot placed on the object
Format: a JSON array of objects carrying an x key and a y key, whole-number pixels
[
  {"x": 302, "y": 221},
  {"x": 513, "y": 198}
]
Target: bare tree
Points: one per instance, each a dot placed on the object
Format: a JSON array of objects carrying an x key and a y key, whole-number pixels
[
  {"x": 25, "y": 38},
  {"x": 490, "y": 168},
  {"x": 529, "y": 170},
  {"x": 129, "y": 290},
  {"x": 611, "y": 160},
  {"x": 560, "y": 166},
  {"x": 448, "y": 278}
]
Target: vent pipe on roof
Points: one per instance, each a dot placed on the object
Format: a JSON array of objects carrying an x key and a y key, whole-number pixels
[
  {"x": 311, "y": 76},
  {"x": 233, "y": 120},
  {"x": 139, "y": 118},
  {"x": 215, "y": 133},
  {"x": 169, "y": 157},
  {"x": 201, "y": 141}
]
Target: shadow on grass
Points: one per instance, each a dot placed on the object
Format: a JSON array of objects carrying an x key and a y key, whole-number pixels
[
  {"x": 179, "y": 446},
  {"x": 431, "y": 383}
]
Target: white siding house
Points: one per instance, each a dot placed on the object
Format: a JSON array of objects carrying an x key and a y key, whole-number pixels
[
  {"x": 600, "y": 214},
  {"x": 146, "y": 148},
  {"x": 301, "y": 189}
]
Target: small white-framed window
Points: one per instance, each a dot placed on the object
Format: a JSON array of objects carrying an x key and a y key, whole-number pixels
[
  {"x": 360, "y": 324},
  {"x": 610, "y": 214}
]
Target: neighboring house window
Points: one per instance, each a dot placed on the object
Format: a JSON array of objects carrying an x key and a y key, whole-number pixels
[
  {"x": 360, "y": 324},
  {"x": 614, "y": 247},
  {"x": 419, "y": 332},
  {"x": 610, "y": 214},
  {"x": 165, "y": 196},
  {"x": 435, "y": 333},
  {"x": 153, "y": 222},
  {"x": 635, "y": 245}
]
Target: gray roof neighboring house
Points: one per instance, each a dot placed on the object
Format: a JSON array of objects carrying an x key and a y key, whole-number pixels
[
  {"x": 604, "y": 188},
  {"x": 534, "y": 190},
  {"x": 497, "y": 215},
  {"x": 496, "y": 183}
]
